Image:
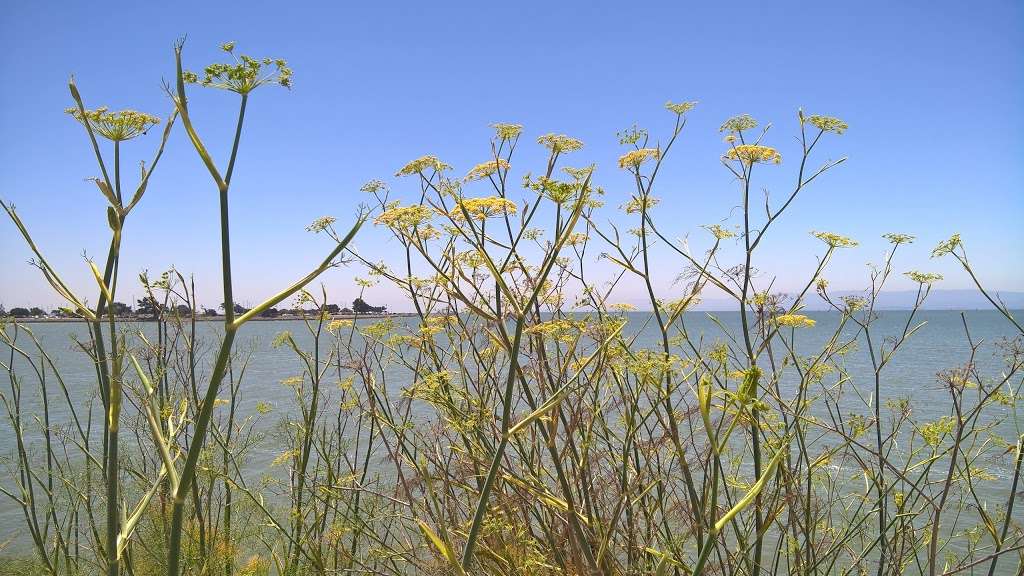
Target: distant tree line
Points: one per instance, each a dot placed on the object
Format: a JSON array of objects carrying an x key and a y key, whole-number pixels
[{"x": 149, "y": 309}]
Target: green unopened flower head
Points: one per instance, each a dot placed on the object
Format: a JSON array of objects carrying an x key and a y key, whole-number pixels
[
  {"x": 243, "y": 75},
  {"x": 117, "y": 126},
  {"x": 747, "y": 390}
]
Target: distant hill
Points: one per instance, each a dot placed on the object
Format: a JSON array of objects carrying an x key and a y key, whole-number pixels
[{"x": 902, "y": 300}]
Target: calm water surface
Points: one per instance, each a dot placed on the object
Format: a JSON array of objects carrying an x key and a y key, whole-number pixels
[{"x": 941, "y": 344}]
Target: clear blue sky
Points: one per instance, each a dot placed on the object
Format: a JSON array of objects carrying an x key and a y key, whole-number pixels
[{"x": 932, "y": 92}]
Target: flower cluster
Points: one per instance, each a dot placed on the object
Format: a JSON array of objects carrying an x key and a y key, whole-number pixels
[
  {"x": 794, "y": 321},
  {"x": 631, "y": 135},
  {"x": 946, "y": 246},
  {"x": 507, "y": 131},
  {"x": 559, "y": 192},
  {"x": 562, "y": 330},
  {"x": 321, "y": 224},
  {"x": 738, "y": 124},
  {"x": 835, "y": 240},
  {"x": 633, "y": 159},
  {"x": 719, "y": 232},
  {"x": 559, "y": 143},
  {"x": 637, "y": 204},
  {"x": 681, "y": 107},
  {"x": 898, "y": 239},
  {"x": 854, "y": 303},
  {"x": 753, "y": 153},
  {"x": 483, "y": 208},
  {"x": 422, "y": 163},
  {"x": 827, "y": 123},
  {"x": 335, "y": 325},
  {"x": 933, "y": 432},
  {"x": 243, "y": 75},
  {"x": 923, "y": 277},
  {"x": 404, "y": 217},
  {"x": 117, "y": 126},
  {"x": 373, "y": 187},
  {"x": 486, "y": 169}
]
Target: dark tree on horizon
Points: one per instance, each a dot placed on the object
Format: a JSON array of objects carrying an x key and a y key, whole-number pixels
[{"x": 359, "y": 306}]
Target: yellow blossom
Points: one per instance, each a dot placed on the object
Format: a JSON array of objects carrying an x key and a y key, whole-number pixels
[
  {"x": 681, "y": 107},
  {"x": 485, "y": 169},
  {"x": 560, "y": 143},
  {"x": 738, "y": 124},
  {"x": 321, "y": 224},
  {"x": 827, "y": 123},
  {"x": 794, "y": 321},
  {"x": 507, "y": 131},
  {"x": 483, "y": 208},
  {"x": 835, "y": 240},
  {"x": 117, "y": 126},
  {"x": 946, "y": 246},
  {"x": 635, "y": 158},
  {"x": 636, "y": 204},
  {"x": 719, "y": 232},
  {"x": 923, "y": 277},
  {"x": 422, "y": 163},
  {"x": 335, "y": 325},
  {"x": 753, "y": 153},
  {"x": 404, "y": 217},
  {"x": 897, "y": 239}
]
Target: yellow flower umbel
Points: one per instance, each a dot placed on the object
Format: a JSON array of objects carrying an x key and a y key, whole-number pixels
[
  {"x": 680, "y": 108},
  {"x": 117, "y": 126},
  {"x": 243, "y": 75},
  {"x": 923, "y": 277},
  {"x": 507, "y": 131},
  {"x": 633, "y": 159},
  {"x": 738, "y": 124},
  {"x": 896, "y": 238},
  {"x": 794, "y": 321},
  {"x": 559, "y": 143},
  {"x": 483, "y": 208},
  {"x": 486, "y": 169},
  {"x": 835, "y": 240},
  {"x": 753, "y": 153},
  {"x": 827, "y": 123},
  {"x": 946, "y": 246},
  {"x": 719, "y": 232},
  {"x": 422, "y": 163},
  {"x": 402, "y": 218}
]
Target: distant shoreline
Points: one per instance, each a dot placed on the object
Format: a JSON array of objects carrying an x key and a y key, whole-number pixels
[{"x": 220, "y": 318}]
